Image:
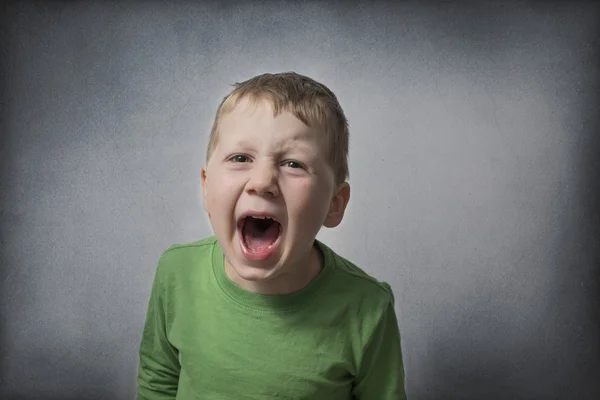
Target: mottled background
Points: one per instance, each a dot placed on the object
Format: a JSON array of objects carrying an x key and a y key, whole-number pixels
[{"x": 474, "y": 166}]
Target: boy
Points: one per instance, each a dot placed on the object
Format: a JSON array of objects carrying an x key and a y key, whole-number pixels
[{"x": 263, "y": 310}]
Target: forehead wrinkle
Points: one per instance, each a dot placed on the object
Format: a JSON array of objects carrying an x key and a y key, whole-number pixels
[{"x": 298, "y": 141}]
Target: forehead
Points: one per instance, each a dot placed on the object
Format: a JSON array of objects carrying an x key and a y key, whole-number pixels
[{"x": 257, "y": 118}]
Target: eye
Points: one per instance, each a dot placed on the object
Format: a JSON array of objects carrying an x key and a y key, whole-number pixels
[
  {"x": 293, "y": 164},
  {"x": 239, "y": 158}
]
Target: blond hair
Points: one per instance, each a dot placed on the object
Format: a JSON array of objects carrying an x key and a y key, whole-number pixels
[{"x": 309, "y": 101}]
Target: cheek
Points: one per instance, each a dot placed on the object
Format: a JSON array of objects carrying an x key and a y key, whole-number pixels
[
  {"x": 311, "y": 199},
  {"x": 222, "y": 192}
]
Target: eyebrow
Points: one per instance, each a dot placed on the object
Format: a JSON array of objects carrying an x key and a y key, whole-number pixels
[
  {"x": 286, "y": 147},
  {"x": 298, "y": 143},
  {"x": 244, "y": 144}
]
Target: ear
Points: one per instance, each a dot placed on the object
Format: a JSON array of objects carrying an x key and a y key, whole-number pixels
[
  {"x": 203, "y": 173},
  {"x": 338, "y": 206}
]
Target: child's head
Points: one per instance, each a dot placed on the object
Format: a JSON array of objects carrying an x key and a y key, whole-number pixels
[
  {"x": 309, "y": 101},
  {"x": 275, "y": 174}
]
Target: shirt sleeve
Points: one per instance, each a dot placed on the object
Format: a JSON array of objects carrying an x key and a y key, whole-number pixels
[
  {"x": 158, "y": 372},
  {"x": 381, "y": 374}
]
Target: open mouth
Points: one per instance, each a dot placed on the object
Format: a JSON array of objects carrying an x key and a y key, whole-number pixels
[{"x": 260, "y": 236}]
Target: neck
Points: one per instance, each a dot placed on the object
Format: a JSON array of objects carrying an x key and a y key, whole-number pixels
[{"x": 292, "y": 279}]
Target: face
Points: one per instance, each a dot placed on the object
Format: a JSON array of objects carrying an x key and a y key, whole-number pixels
[{"x": 273, "y": 168}]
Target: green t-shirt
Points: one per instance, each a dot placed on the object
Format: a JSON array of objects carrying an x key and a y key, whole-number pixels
[{"x": 207, "y": 338}]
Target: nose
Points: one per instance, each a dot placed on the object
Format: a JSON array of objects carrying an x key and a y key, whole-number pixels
[{"x": 263, "y": 180}]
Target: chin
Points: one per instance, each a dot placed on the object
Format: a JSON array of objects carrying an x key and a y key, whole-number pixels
[
  {"x": 253, "y": 271},
  {"x": 254, "y": 274}
]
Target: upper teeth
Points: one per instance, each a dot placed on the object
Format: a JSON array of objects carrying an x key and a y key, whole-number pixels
[{"x": 260, "y": 217}]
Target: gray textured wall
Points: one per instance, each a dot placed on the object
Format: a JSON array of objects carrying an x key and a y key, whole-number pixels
[{"x": 474, "y": 167}]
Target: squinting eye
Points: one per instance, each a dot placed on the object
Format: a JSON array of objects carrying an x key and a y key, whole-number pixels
[
  {"x": 293, "y": 164},
  {"x": 239, "y": 159}
]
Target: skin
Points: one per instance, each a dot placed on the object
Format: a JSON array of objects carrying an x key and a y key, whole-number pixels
[{"x": 271, "y": 164}]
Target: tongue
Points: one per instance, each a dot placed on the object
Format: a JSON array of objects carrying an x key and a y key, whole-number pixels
[{"x": 258, "y": 239}]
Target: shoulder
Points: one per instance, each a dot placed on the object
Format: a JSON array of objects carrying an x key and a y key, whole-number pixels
[
  {"x": 191, "y": 249},
  {"x": 183, "y": 258},
  {"x": 366, "y": 304},
  {"x": 359, "y": 286}
]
